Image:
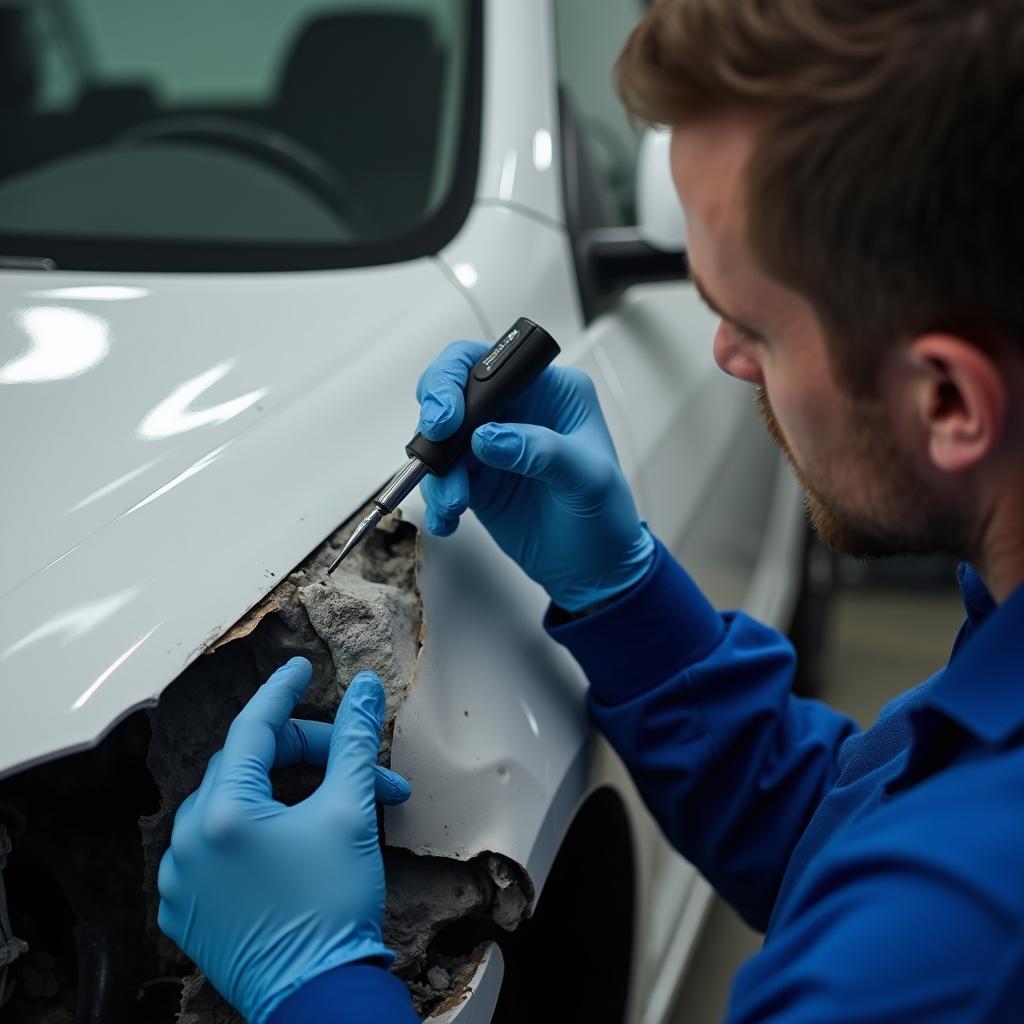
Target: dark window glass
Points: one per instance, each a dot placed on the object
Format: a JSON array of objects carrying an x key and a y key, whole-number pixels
[
  {"x": 590, "y": 35},
  {"x": 236, "y": 134}
]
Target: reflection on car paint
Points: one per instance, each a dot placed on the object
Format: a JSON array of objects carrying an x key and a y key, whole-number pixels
[
  {"x": 175, "y": 415},
  {"x": 94, "y": 292},
  {"x": 74, "y": 623},
  {"x": 109, "y": 488},
  {"x": 111, "y": 669},
  {"x": 197, "y": 467},
  {"x": 542, "y": 149},
  {"x": 63, "y": 343}
]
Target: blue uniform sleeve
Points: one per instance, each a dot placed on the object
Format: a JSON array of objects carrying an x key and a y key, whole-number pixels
[
  {"x": 915, "y": 916},
  {"x": 358, "y": 993},
  {"x": 698, "y": 706}
]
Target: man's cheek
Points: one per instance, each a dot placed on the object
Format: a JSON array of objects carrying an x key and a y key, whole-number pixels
[
  {"x": 767, "y": 411},
  {"x": 804, "y": 422}
]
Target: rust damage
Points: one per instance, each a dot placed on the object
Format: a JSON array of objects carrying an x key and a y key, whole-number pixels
[{"x": 439, "y": 911}]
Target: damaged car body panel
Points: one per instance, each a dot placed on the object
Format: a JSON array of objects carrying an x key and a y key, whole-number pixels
[
  {"x": 367, "y": 615},
  {"x": 497, "y": 704},
  {"x": 253, "y": 493}
]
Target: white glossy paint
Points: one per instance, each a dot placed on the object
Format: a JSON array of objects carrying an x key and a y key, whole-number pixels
[
  {"x": 62, "y": 343},
  {"x": 495, "y": 727},
  {"x": 652, "y": 1004},
  {"x": 506, "y": 244},
  {"x": 519, "y": 159},
  {"x": 177, "y": 551},
  {"x": 515, "y": 255},
  {"x": 96, "y": 292},
  {"x": 658, "y": 350},
  {"x": 660, "y": 220},
  {"x": 184, "y": 408},
  {"x": 124, "y": 419}
]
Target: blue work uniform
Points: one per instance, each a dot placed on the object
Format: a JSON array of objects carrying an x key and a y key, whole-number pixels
[{"x": 885, "y": 866}]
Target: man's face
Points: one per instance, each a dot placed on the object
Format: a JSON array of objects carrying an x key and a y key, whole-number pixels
[{"x": 868, "y": 486}]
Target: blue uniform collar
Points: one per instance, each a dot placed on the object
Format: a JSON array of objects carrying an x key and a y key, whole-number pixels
[{"x": 982, "y": 687}]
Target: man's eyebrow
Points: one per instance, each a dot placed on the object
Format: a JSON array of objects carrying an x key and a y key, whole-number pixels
[{"x": 715, "y": 308}]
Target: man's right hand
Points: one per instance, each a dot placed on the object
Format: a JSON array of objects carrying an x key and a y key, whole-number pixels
[{"x": 546, "y": 484}]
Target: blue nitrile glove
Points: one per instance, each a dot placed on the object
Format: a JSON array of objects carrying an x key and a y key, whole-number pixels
[
  {"x": 546, "y": 484},
  {"x": 265, "y": 897}
]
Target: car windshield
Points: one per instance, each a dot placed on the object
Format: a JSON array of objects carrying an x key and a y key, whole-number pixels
[{"x": 240, "y": 134}]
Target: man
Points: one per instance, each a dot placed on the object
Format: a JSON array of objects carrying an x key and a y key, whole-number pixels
[{"x": 850, "y": 172}]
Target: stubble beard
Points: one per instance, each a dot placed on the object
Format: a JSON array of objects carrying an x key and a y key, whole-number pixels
[{"x": 869, "y": 502}]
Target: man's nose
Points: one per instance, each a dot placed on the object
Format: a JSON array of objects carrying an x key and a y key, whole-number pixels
[{"x": 735, "y": 358}]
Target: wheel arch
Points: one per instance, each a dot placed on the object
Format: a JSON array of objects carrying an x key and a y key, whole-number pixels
[{"x": 582, "y": 926}]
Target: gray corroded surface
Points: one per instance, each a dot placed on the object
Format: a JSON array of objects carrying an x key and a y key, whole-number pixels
[
  {"x": 512, "y": 891},
  {"x": 367, "y": 615},
  {"x": 383, "y": 623},
  {"x": 202, "y": 1004},
  {"x": 366, "y": 625},
  {"x": 424, "y": 895}
]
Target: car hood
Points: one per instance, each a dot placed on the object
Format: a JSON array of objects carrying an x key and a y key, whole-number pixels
[{"x": 173, "y": 445}]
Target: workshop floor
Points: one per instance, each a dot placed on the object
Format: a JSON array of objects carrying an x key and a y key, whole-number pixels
[{"x": 884, "y": 640}]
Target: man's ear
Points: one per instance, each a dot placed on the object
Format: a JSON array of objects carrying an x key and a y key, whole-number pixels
[{"x": 960, "y": 400}]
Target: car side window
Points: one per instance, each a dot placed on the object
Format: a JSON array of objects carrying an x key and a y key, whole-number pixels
[{"x": 601, "y": 168}]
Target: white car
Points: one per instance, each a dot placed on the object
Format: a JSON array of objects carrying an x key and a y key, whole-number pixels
[{"x": 232, "y": 235}]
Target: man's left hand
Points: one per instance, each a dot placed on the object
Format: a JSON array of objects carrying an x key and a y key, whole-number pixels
[{"x": 264, "y": 897}]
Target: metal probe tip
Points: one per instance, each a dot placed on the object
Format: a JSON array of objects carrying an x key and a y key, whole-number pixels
[
  {"x": 365, "y": 527},
  {"x": 386, "y": 502}
]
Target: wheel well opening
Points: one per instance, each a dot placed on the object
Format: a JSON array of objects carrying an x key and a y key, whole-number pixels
[{"x": 571, "y": 960}]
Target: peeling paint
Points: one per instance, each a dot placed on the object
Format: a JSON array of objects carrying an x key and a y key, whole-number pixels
[{"x": 369, "y": 614}]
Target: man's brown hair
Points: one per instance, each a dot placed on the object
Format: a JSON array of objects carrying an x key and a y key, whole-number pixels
[{"x": 887, "y": 184}]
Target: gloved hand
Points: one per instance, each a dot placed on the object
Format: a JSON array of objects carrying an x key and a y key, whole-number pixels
[
  {"x": 265, "y": 897},
  {"x": 546, "y": 484}
]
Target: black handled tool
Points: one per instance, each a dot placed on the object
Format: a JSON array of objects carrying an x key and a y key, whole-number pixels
[{"x": 496, "y": 380}]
